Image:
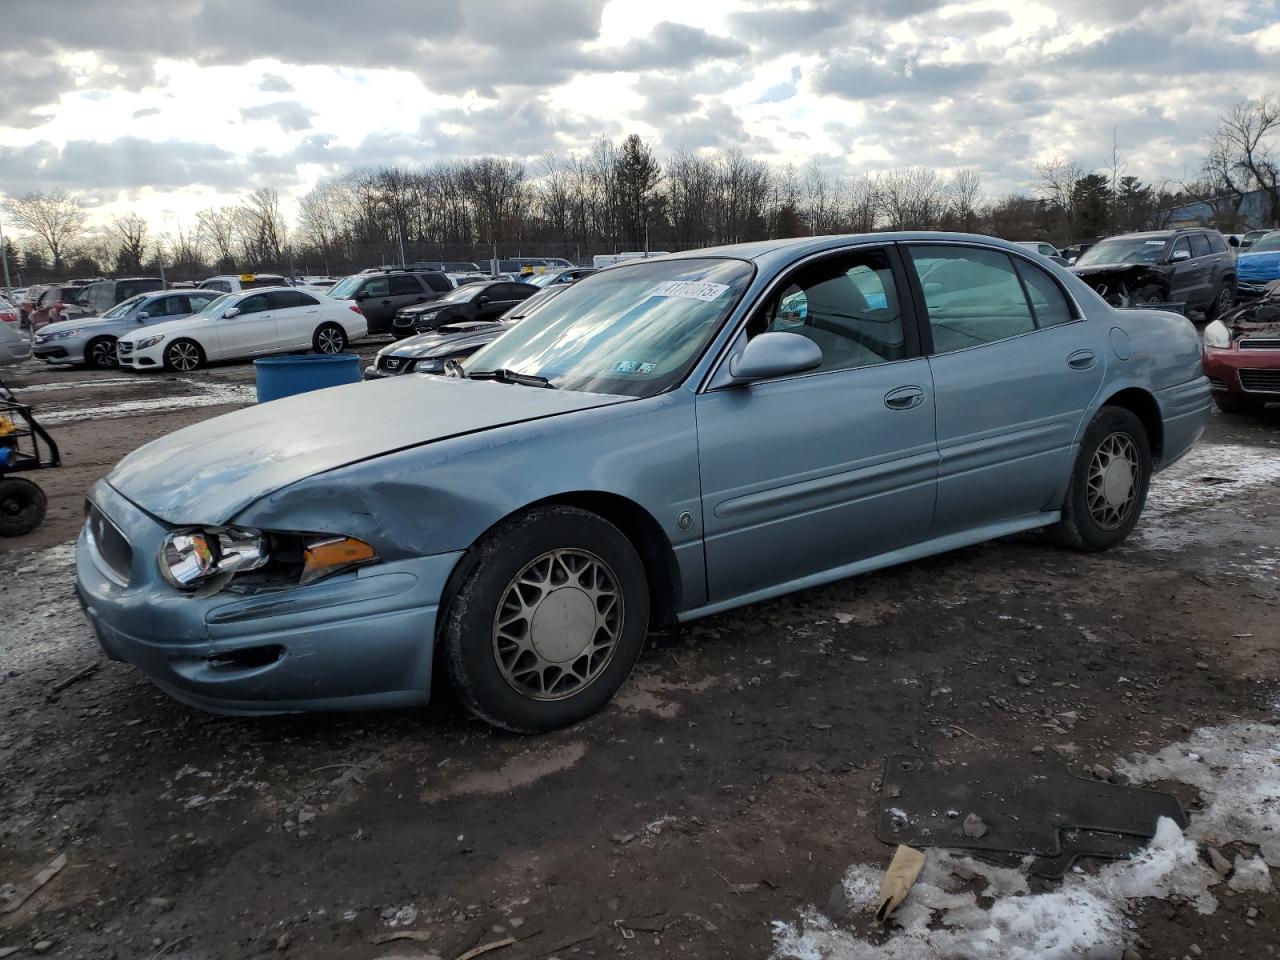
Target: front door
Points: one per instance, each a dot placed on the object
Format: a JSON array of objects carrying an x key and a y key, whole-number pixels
[
  {"x": 1015, "y": 368},
  {"x": 251, "y": 331},
  {"x": 809, "y": 473}
]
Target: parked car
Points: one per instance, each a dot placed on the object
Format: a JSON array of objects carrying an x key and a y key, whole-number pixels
[
  {"x": 1242, "y": 355},
  {"x": 429, "y": 352},
  {"x": 677, "y": 444},
  {"x": 235, "y": 282},
  {"x": 251, "y": 323},
  {"x": 571, "y": 275},
  {"x": 92, "y": 341},
  {"x": 50, "y": 302},
  {"x": 601, "y": 261},
  {"x": 14, "y": 344},
  {"x": 95, "y": 299},
  {"x": 9, "y": 313},
  {"x": 1252, "y": 237},
  {"x": 380, "y": 295},
  {"x": 1045, "y": 250},
  {"x": 459, "y": 271},
  {"x": 475, "y": 301},
  {"x": 1259, "y": 266},
  {"x": 1195, "y": 267}
]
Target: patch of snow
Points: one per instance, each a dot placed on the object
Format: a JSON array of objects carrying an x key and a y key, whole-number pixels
[
  {"x": 208, "y": 395},
  {"x": 1250, "y": 876}
]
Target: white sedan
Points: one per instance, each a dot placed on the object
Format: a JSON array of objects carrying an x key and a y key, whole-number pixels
[{"x": 250, "y": 323}]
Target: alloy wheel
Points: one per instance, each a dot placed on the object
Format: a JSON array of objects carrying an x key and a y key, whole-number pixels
[
  {"x": 184, "y": 356},
  {"x": 329, "y": 340},
  {"x": 103, "y": 354},
  {"x": 558, "y": 624},
  {"x": 1114, "y": 474}
]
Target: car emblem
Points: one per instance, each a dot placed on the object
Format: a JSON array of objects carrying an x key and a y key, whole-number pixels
[{"x": 392, "y": 363}]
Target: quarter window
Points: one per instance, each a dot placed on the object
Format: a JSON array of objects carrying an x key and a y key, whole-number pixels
[
  {"x": 847, "y": 305},
  {"x": 404, "y": 286},
  {"x": 1047, "y": 301},
  {"x": 438, "y": 282},
  {"x": 973, "y": 296}
]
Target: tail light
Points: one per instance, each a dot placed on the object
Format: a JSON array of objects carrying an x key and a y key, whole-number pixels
[
  {"x": 8, "y": 316},
  {"x": 354, "y": 309}
]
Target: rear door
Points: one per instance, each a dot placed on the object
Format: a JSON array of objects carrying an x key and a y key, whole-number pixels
[
  {"x": 250, "y": 332},
  {"x": 406, "y": 290},
  {"x": 810, "y": 473},
  {"x": 297, "y": 315},
  {"x": 1015, "y": 366}
]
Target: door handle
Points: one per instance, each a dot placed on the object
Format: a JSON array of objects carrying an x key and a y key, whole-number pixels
[
  {"x": 1082, "y": 360},
  {"x": 904, "y": 398}
]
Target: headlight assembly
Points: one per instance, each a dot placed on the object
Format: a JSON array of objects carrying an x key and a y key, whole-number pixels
[
  {"x": 205, "y": 561},
  {"x": 149, "y": 342},
  {"x": 64, "y": 334},
  {"x": 1217, "y": 335}
]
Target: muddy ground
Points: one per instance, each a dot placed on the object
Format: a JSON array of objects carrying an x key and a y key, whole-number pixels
[{"x": 731, "y": 784}]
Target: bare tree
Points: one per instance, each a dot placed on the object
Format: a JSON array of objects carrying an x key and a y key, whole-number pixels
[
  {"x": 218, "y": 229},
  {"x": 55, "y": 218},
  {"x": 130, "y": 235},
  {"x": 1241, "y": 154},
  {"x": 1057, "y": 179},
  {"x": 964, "y": 198},
  {"x": 261, "y": 227}
]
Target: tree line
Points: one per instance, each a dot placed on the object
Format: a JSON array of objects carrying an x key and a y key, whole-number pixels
[{"x": 620, "y": 196}]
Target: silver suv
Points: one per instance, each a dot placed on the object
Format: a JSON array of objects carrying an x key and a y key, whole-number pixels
[{"x": 93, "y": 341}]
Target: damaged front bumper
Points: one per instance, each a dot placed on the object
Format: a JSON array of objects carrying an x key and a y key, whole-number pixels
[
  {"x": 361, "y": 640},
  {"x": 1129, "y": 285}
]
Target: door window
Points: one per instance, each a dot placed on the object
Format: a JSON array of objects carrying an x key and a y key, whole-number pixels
[
  {"x": 284, "y": 299},
  {"x": 167, "y": 307},
  {"x": 201, "y": 300},
  {"x": 1200, "y": 245},
  {"x": 847, "y": 305},
  {"x": 404, "y": 286},
  {"x": 255, "y": 304},
  {"x": 378, "y": 288},
  {"x": 1047, "y": 300},
  {"x": 1181, "y": 245},
  {"x": 973, "y": 296}
]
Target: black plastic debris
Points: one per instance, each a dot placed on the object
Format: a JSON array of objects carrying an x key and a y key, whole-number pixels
[{"x": 1045, "y": 813}]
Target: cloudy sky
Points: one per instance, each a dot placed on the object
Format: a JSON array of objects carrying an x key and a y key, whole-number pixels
[{"x": 167, "y": 106}]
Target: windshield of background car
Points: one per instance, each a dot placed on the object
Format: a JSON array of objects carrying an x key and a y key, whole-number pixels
[
  {"x": 213, "y": 306},
  {"x": 345, "y": 288},
  {"x": 1268, "y": 244},
  {"x": 531, "y": 303},
  {"x": 119, "y": 310},
  {"x": 1130, "y": 250},
  {"x": 635, "y": 330}
]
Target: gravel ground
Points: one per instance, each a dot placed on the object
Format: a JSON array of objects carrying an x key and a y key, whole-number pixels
[{"x": 732, "y": 784}]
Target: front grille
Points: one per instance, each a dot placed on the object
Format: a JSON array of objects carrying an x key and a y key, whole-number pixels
[
  {"x": 110, "y": 544},
  {"x": 124, "y": 348},
  {"x": 1260, "y": 343},
  {"x": 402, "y": 321},
  {"x": 1260, "y": 381}
]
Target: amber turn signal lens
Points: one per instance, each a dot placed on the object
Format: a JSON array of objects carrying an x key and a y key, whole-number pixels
[{"x": 324, "y": 557}]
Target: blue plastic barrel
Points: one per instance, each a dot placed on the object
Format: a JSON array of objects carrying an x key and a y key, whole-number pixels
[{"x": 284, "y": 376}]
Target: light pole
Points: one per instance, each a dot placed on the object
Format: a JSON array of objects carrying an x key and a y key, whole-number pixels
[{"x": 4, "y": 255}]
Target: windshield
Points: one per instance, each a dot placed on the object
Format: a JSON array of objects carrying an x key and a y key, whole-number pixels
[
  {"x": 345, "y": 288},
  {"x": 634, "y": 330},
  {"x": 1123, "y": 250},
  {"x": 120, "y": 309},
  {"x": 526, "y": 307},
  {"x": 1270, "y": 242},
  {"x": 542, "y": 279},
  {"x": 213, "y": 306}
]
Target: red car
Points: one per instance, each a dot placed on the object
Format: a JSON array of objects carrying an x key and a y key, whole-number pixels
[{"x": 1242, "y": 356}]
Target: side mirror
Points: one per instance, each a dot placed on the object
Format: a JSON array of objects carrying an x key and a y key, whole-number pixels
[
  {"x": 773, "y": 355},
  {"x": 1179, "y": 255},
  {"x": 231, "y": 312},
  {"x": 1234, "y": 241},
  {"x": 481, "y": 301},
  {"x": 143, "y": 317}
]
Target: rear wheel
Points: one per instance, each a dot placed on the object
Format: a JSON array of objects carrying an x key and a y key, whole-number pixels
[
  {"x": 100, "y": 353},
  {"x": 1223, "y": 301},
  {"x": 22, "y": 506},
  {"x": 1109, "y": 482},
  {"x": 548, "y": 619},
  {"x": 183, "y": 356},
  {"x": 329, "y": 338},
  {"x": 1234, "y": 403}
]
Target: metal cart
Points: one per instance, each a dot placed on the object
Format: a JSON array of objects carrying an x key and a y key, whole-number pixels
[{"x": 24, "y": 446}]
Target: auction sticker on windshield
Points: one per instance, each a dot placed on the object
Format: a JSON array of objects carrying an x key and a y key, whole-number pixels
[
  {"x": 634, "y": 366},
  {"x": 689, "y": 289}
]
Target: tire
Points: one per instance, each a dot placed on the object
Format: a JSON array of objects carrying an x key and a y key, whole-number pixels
[
  {"x": 183, "y": 356},
  {"x": 100, "y": 354},
  {"x": 1223, "y": 300},
  {"x": 1236, "y": 404},
  {"x": 329, "y": 338},
  {"x": 1099, "y": 512},
  {"x": 22, "y": 506},
  {"x": 501, "y": 631}
]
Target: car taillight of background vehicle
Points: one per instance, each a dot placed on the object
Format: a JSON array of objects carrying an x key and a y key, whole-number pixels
[
  {"x": 9, "y": 316},
  {"x": 355, "y": 309}
]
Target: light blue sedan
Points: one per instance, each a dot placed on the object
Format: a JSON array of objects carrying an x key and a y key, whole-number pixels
[{"x": 665, "y": 440}]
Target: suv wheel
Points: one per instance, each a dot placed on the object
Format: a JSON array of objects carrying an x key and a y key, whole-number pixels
[{"x": 1223, "y": 301}]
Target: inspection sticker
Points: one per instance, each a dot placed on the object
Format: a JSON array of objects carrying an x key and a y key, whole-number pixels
[
  {"x": 634, "y": 366},
  {"x": 1154, "y": 243},
  {"x": 689, "y": 289}
]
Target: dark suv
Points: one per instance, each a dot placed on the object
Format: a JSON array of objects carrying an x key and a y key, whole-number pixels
[
  {"x": 379, "y": 295},
  {"x": 1195, "y": 267},
  {"x": 95, "y": 299}
]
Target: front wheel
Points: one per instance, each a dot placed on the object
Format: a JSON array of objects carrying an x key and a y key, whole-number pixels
[
  {"x": 22, "y": 506},
  {"x": 329, "y": 338},
  {"x": 1222, "y": 302},
  {"x": 183, "y": 356},
  {"x": 100, "y": 354},
  {"x": 1109, "y": 482},
  {"x": 549, "y": 619}
]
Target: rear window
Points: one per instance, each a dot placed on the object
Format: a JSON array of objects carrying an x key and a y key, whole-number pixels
[
  {"x": 1200, "y": 245},
  {"x": 223, "y": 285},
  {"x": 438, "y": 282}
]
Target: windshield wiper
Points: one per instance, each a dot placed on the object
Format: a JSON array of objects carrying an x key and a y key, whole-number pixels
[{"x": 503, "y": 375}]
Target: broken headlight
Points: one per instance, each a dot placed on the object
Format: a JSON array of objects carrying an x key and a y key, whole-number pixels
[
  {"x": 207, "y": 560},
  {"x": 1217, "y": 335}
]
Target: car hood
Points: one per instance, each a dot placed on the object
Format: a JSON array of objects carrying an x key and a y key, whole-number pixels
[
  {"x": 1094, "y": 269},
  {"x": 209, "y": 472},
  {"x": 447, "y": 340},
  {"x": 88, "y": 323},
  {"x": 430, "y": 306},
  {"x": 1259, "y": 266},
  {"x": 169, "y": 328}
]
